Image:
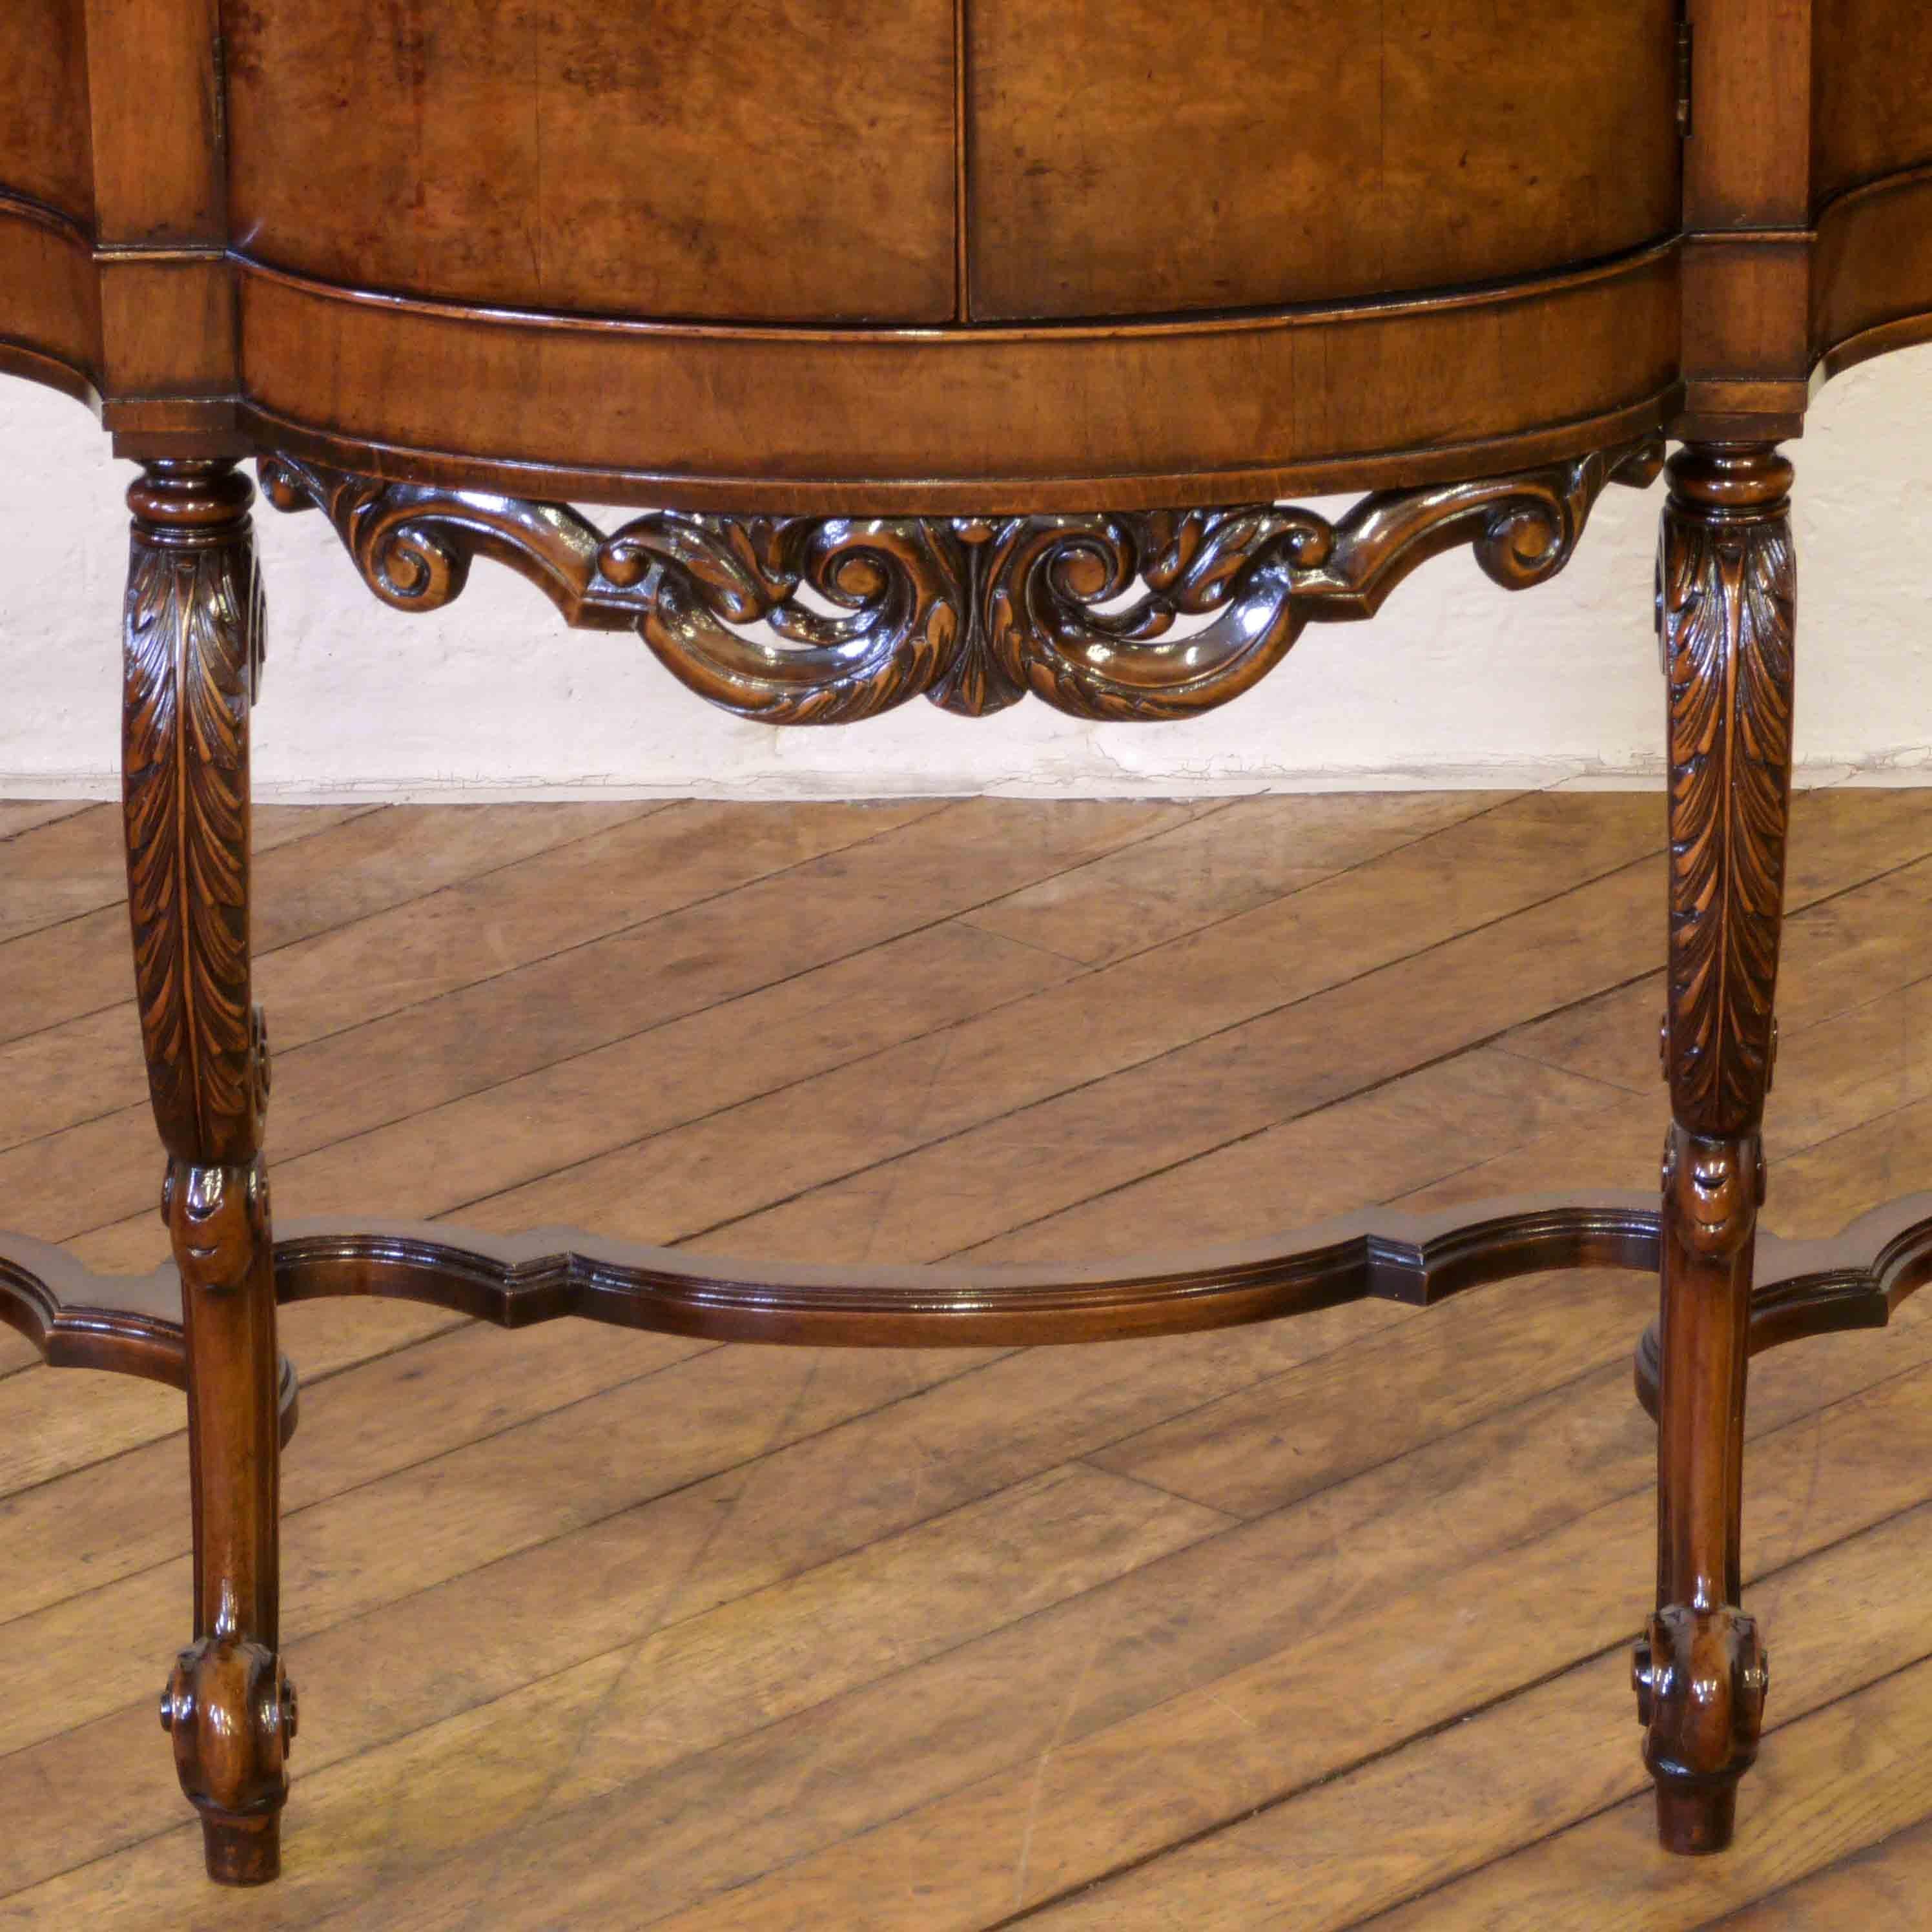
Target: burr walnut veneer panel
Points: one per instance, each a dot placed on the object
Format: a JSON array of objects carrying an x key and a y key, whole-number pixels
[
  {"x": 1251, "y": 153},
  {"x": 773, "y": 159},
  {"x": 45, "y": 151},
  {"x": 50, "y": 300},
  {"x": 1871, "y": 104}
]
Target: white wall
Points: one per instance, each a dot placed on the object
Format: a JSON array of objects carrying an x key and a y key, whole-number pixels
[{"x": 1456, "y": 683}]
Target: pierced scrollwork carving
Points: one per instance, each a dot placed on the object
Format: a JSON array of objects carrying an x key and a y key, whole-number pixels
[
  {"x": 1726, "y": 607},
  {"x": 414, "y": 545},
  {"x": 1148, "y": 614},
  {"x": 193, "y": 630},
  {"x": 898, "y": 623}
]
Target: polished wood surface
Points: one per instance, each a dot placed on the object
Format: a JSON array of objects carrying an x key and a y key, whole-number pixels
[
  {"x": 972, "y": 421},
  {"x": 130, "y": 1324},
  {"x": 514, "y": 1493},
  {"x": 1870, "y": 116},
  {"x": 44, "y": 130},
  {"x": 50, "y": 311},
  {"x": 973, "y": 615},
  {"x": 967, "y": 382},
  {"x": 1315, "y": 249},
  {"x": 1433, "y": 145},
  {"x": 194, "y": 644},
  {"x": 1727, "y": 598},
  {"x": 784, "y": 160}
]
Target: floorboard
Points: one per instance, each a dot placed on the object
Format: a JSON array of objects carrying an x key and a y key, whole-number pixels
[{"x": 1322, "y": 1625}]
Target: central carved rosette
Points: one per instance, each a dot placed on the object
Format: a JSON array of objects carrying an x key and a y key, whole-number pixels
[{"x": 810, "y": 620}]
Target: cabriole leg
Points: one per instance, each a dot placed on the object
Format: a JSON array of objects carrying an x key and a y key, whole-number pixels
[
  {"x": 193, "y": 643},
  {"x": 1725, "y": 606}
]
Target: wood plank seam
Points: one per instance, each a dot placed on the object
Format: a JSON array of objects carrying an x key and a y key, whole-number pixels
[
  {"x": 648, "y": 810},
  {"x": 455, "y": 885},
  {"x": 1807, "y": 909},
  {"x": 1040, "y": 1907},
  {"x": 708, "y": 1476},
  {"x": 1462, "y": 1715},
  {"x": 1499, "y": 1040},
  {"x": 309, "y": 1384},
  {"x": 1235, "y": 1524},
  {"x": 55, "y": 816},
  {"x": 1167, "y": 1053},
  {"x": 1859, "y": 1533},
  {"x": 108, "y": 904},
  {"x": 1791, "y": 1720},
  {"x": 966, "y": 1372},
  {"x": 1886, "y": 1113},
  {"x": 781, "y": 979},
  {"x": 324, "y": 1039}
]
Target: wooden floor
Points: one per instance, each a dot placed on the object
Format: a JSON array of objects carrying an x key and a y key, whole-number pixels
[{"x": 1317, "y": 1625}]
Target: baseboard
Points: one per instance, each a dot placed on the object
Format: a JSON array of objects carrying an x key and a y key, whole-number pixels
[{"x": 1899, "y": 771}]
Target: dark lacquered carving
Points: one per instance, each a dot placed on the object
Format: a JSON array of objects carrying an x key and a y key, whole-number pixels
[
  {"x": 193, "y": 641},
  {"x": 193, "y": 631},
  {"x": 1727, "y": 600},
  {"x": 1154, "y": 614},
  {"x": 227, "y": 1706},
  {"x": 131, "y": 1325}
]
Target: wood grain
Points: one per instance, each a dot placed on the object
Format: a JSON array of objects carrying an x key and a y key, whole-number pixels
[
  {"x": 1068, "y": 220},
  {"x": 973, "y": 614},
  {"x": 451, "y": 1483},
  {"x": 50, "y": 329},
  {"x": 962, "y": 318},
  {"x": 658, "y": 159},
  {"x": 1148, "y": 415},
  {"x": 44, "y": 148},
  {"x": 817, "y": 257}
]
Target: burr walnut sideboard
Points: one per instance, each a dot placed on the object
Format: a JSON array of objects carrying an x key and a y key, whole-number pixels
[{"x": 964, "y": 349}]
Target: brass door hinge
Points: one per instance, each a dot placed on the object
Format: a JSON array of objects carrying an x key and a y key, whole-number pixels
[{"x": 1684, "y": 38}]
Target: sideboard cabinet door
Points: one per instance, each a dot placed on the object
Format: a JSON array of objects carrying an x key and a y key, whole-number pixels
[
  {"x": 1135, "y": 156},
  {"x": 45, "y": 150},
  {"x": 765, "y": 160},
  {"x": 49, "y": 298},
  {"x": 1872, "y": 92},
  {"x": 1871, "y": 176}
]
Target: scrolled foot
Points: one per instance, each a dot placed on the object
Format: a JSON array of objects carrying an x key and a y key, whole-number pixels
[
  {"x": 231, "y": 1714},
  {"x": 1701, "y": 1678}
]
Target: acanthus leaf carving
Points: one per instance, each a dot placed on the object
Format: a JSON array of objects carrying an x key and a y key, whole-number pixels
[
  {"x": 1727, "y": 600},
  {"x": 193, "y": 626},
  {"x": 1130, "y": 615}
]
